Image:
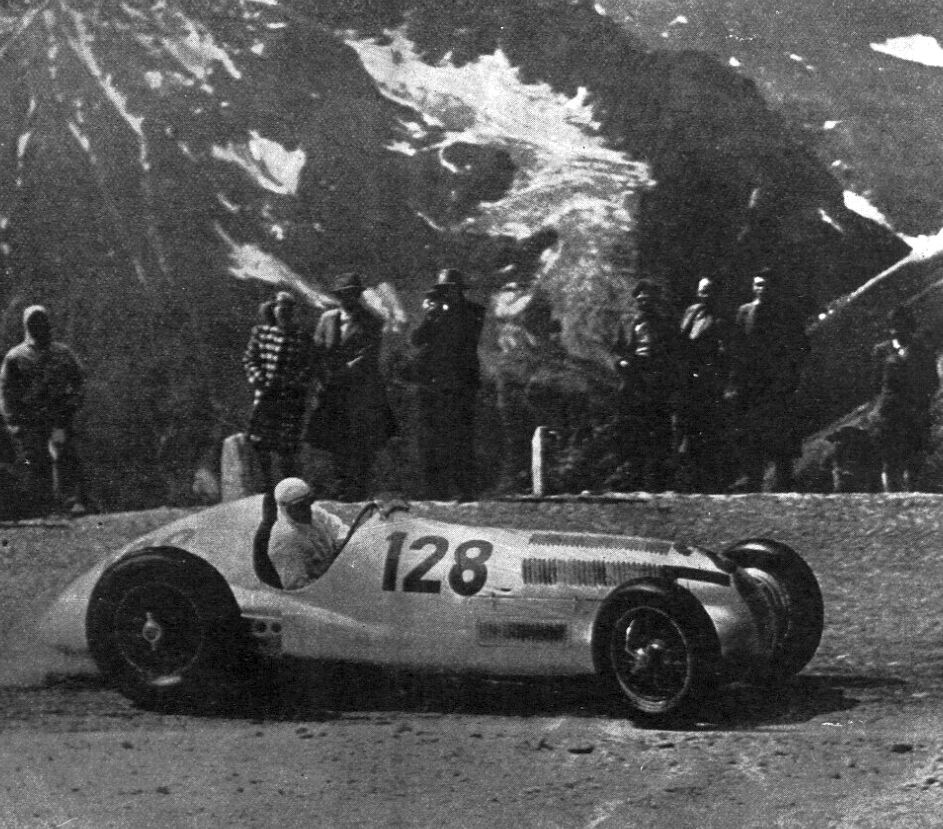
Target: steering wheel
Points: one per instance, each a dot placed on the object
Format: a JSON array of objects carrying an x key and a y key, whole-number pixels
[{"x": 362, "y": 516}]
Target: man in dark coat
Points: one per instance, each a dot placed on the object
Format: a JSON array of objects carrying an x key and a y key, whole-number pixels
[
  {"x": 705, "y": 335},
  {"x": 769, "y": 353},
  {"x": 449, "y": 375},
  {"x": 41, "y": 390},
  {"x": 901, "y": 416},
  {"x": 352, "y": 419},
  {"x": 647, "y": 361}
]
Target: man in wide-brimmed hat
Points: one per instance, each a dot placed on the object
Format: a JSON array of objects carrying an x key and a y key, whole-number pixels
[
  {"x": 449, "y": 375},
  {"x": 352, "y": 418}
]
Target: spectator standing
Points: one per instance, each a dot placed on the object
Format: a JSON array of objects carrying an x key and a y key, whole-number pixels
[
  {"x": 705, "y": 334},
  {"x": 42, "y": 388},
  {"x": 352, "y": 419},
  {"x": 449, "y": 375},
  {"x": 278, "y": 362},
  {"x": 901, "y": 416},
  {"x": 769, "y": 354},
  {"x": 647, "y": 362}
]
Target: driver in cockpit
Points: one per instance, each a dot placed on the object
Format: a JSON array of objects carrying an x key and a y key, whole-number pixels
[{"x": 305, "y": 538}]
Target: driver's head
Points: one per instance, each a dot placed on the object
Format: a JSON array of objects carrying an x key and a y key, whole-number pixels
[{"x": 294, "y": 497}]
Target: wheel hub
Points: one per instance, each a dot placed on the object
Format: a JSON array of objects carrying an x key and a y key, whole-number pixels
[
  {"x": 645, "y": 657},
  {"x": 152, "y": 632}
]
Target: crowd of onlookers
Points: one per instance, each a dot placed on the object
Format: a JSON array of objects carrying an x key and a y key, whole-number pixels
[
  {"x": 709, "y": 404},
  {"x": 350, "y": 416},
  {"x": 706, "y": 402}
]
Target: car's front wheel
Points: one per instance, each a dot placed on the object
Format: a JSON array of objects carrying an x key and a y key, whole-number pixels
[
  {"x": 164, "y": 628},
  {"x": 661, "y": 650}
]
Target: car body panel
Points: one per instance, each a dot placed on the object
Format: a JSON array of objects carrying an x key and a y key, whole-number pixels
[{"x": 416, "y": 592}]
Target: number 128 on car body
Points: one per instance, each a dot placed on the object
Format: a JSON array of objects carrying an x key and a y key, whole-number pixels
[{"x": 467, "y": 575}]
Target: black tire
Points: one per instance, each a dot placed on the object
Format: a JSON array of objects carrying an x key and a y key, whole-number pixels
[
  {"x": 164, "y": 629},
  {"x": 661, "y": 648},
  {"x": 790, "y": 583}
]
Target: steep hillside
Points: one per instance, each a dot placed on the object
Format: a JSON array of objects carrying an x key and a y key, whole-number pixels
[
  {"x": 857, "y": 82},
  {"x": 162, "y": 165}
]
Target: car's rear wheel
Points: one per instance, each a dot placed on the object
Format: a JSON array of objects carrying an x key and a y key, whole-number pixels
[
  {"x": 792, "y": 592},
  {"x": 661, "y": 651},
  {"x": 164, "y": 629}
]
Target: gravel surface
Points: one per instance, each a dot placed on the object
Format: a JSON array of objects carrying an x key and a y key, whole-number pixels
[{"x": 856, "y": 740}]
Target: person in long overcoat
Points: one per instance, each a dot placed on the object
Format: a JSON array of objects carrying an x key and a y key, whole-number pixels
[
  {"x": 449, "y": 374},
  {"x": 705, "y": 334},
  {"x": 770, "y": 348},
  {"x": 42, "y": 388},
  {"x": 648, "y": 363},
  {"x": 352, "y": 418},
  {"x": 278, "y": 362}
]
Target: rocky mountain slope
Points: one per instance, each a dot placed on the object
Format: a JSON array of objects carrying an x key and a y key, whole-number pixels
[{"x": 164, "y": 164}]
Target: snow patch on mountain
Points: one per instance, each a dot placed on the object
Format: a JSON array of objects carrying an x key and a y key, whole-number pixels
[
  {"x": 567, "y": 176},
  {"x": 267, "y": 162},
  {"x": 197, "y": 51},
  {"x": 914, "y": 48},
  {"x": 923, "y": 246},
  {"x": 860, "y": 205}
]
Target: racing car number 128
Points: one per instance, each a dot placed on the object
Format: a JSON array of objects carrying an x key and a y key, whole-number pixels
[{"x": 467, "y": 575}]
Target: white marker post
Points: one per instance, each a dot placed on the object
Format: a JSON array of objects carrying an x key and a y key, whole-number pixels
[{"x": 538, "y": 446}]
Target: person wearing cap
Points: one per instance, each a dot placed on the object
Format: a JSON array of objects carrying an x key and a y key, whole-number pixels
[
  {"x": 305, "y": 538},
  {"x": 279, "y": 365},
  {"x": 768, "y": 354},
  {"x": 647, "y": 361},
  {"x": 449, "y": 375},
  {"x": 42, "y": 386},
  {"x": 705, "y": 335},
  {"x": 352, "y": 418},
  {"x": 901, "y": 416}
]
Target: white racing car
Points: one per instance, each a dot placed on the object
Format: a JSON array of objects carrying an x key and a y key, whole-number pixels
[{"x": 183, "y": 608}]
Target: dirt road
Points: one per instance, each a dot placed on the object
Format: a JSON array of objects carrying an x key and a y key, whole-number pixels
[{"x": 857, "y": 740}]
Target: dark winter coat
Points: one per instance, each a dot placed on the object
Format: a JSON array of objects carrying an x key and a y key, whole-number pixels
[
  {"x": 769, "y": 352},
  {"x": 652, "y": 356},
  {"x": 352, "y": 406},
  {"x": 448, "y": 347},
  {"x": 909, "y": 380},
  {"x": 40, "y": 388},
  {"x": 706, "y": 338}
]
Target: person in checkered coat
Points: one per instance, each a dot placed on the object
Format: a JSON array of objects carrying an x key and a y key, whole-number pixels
[{"x": 279, "y": 364}]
